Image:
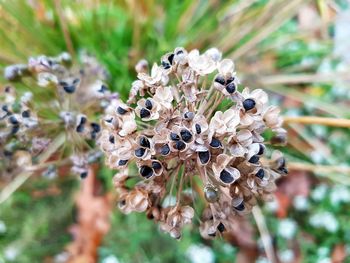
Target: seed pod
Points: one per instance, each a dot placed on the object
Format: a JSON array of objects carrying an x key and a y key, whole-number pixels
[{"x": 211, "y": 194}]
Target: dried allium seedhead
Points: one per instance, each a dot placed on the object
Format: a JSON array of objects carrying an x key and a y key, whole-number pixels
[
  {"x": 54, "y": 98},
  {"x": 185, "y": 127}
]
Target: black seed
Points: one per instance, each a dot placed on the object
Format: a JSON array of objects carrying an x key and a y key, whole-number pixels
[
  {"x": 148, "y": 104},
  {"x": 283, "y": 170},
  {"x": 75, "y": 82},
  {"x": 109, "y": 120},
  {"x": 15, "y": 129},
  {"x": 8, "y": 153},
  {"x": 282, "y": 165},
  {"x": 13, "y": 120},
  {"x": 122, "y": 203},
  {"x": 260, "y": 174},
  {"x": 171, "y": 58},
  {"x": 80, "y": 128},
  {"x": 215, "y": 143},
  {"x": 146, "y": 171},
  {"x": 165, "y": 65},
  {"x": 240, "y": 207},
  {"x": 83, "y": 120},
  {"x": 144, "y": 113},
  {"x": 165, "y": 150},
  {"x": 229, "y": 80},
  {"x": 221, "y": 227},
  {"x": 180, "y": 145},
  {"x": 231, "y": 87},
  {"x": 254, "y": 159},
  {"x": 186, "y": 135},
  {"x": 248, "y": 104},
  {"x": 144, "y": 142},
  {"x": 198, "y": 128},
  {"x": 103, "y": 88},
  {"x": 174, "y": 136},
  {"x": 111, "y": 139},
  {"x": 5, "y": 108},
  {"x": 204, "y": 157},
  {"x": 121, "y": 111},
  {"x": 140, "y": 152},
  {"x": 69, "y": 89},
  {"x": 226, "y": 177},
  {"x": 122, "y": 162},
  {"x": 261, "y": 149},
  {"x": 95, "y": 127},
  {"x": 83, "y": 175},
  {"x": 179, "y": 52},
  {"x": 63, "y": 83},
  {"x": 26, "y": 114},
  {"x": 212, "y": 234},
  {"x": 189, "y": 115},
  {"x": 156, "y": 165},
  {"x": 93, "y": 135},
  {"x": 220, "y": 79}
]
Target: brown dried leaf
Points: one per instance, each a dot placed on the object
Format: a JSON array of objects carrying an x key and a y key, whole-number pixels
[
  {"x": 339, "y": 253},
  {"x": 93, "y": 222},
  {"x": 296, "y": 183}
]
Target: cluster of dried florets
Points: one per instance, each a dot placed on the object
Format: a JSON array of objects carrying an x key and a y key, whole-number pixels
[
  {"x": 187, "y": 127},
  {"x": 54, "y": 104}
]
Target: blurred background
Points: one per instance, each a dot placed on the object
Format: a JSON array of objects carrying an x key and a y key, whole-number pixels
[{"x": 297, "y": 50}]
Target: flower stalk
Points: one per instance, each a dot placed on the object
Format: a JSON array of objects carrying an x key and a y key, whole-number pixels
[{"x": 334, "y": 122}]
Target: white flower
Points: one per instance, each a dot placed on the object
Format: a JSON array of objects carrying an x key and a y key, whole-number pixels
[
  {"x": 287, "y": 228},
  {"x": 286, "y": 255},
  {"x": 110, "y": 259},
  {"x": 272, "y": 206},
  {"x": 200, "y": 254},
  {"x": 324, "y": 260},
  {"x": 202, "y": 64},
  {"x": 322, "y": 252},
  {"x": 301, "y": 203},
  {"x": 319, "y": 192},
  {"x": 262, "y": 260},
  {"x": 11, "y": 253},
  {"x": 2, "y": 227},
  {"x": 339, "y": 194},
  {"x": 61, "y": 257},
  {"x": 324, "y": 220}
]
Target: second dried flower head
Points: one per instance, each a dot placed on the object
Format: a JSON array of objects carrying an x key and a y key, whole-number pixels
[{"x": 187, "y": 131}]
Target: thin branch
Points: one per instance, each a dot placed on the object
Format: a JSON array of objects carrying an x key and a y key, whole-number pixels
[
  {"x": 64, "y": 27},
  {"x": 23, "y": 176},
  {"x": 303, "y": 78},
  {"x": 264, "y": 233},
  {"x": 335, "y": 122},
  {"x": 318, "y": 168}
]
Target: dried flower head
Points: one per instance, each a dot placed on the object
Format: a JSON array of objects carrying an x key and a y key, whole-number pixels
[
  {"x": 53, "y": 105},
  {"x": 175, "y": 136}
]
